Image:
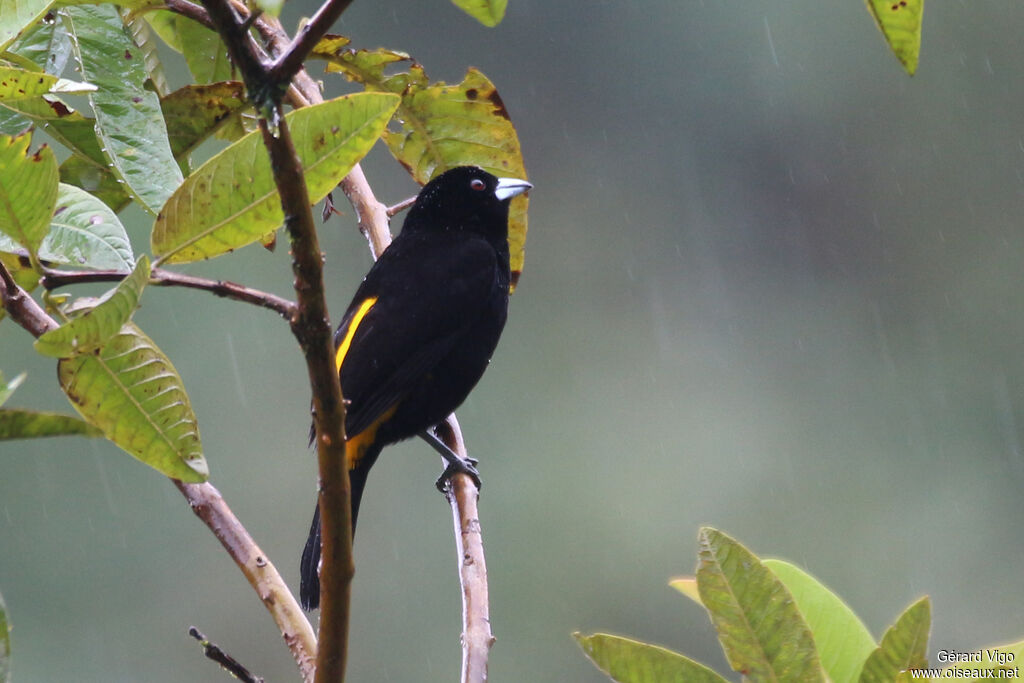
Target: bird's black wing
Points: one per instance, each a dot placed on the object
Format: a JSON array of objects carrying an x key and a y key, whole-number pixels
[{"x": 426, "y": 294}]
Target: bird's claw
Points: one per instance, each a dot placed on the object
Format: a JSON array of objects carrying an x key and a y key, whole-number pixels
[{"x": 467, "y": 467}]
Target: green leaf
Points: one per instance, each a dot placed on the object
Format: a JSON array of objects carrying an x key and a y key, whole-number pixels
[
  {"x": 94, "y": 328},
  {"x": 442, "y": 126},
  {"x": 85, "y": 232},
  {"x": 144, "y": 39},
  {"x": 19, "y": 84},
  {"x": 204, "y": 52},
  {"x": 28, "y": 190},
  {"x": 999, "y": 658},
  {"x": 7, "y": 388},
  {"x": 687, "y": 585},
  {"x": 28, "y": 424},
  {"x": 900, "y": 23},
  {"x": 487, "y": 12},
  {"x": 5, "y": 644},
  {"x": 12, "y": 123},
  {"x": 904, "y": 646},
  {"x": 128, "y": 119},
  {"x": 231, "y": 200},
  {"x": 761, "y": 630},
  {"x": 630, "y": 661},
  {"x": 46, "y": 44},
  {"x": 194, "y": 112},
  {"x": 842, "y": 640},
  {"x": 131, "y": 391},
  {"x": 18, "y": 15},
  {"x": 98, "y": 182},
  {"x": 165, "y": 24}
]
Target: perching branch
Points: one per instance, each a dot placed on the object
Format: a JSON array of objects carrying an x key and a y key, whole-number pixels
[
  {"x": 207, "y": 503},
  {"x": 53, "y": 279},
  {"x": 469, "y": 547}
]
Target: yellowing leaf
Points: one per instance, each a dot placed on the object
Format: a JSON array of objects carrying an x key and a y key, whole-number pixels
[
  {"x": 16, "y": 423},
  {"x": 440, "y": 126},
  {"x": 19, "y": 84},
  {"x": 687, "y": 585},
  {"x": 487, "y": 12},
  {"x": 131, "y": 391},
  {"x": 231, "y": 200},
  {"x": 28, "y": 190},
  {"x": 630, "y": 661},
  {"x": 900, "y": 23}
]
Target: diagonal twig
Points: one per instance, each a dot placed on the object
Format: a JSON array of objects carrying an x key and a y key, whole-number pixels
[
  {"x": 214, "y": 653},
  {"x": 289, "y": 62}
]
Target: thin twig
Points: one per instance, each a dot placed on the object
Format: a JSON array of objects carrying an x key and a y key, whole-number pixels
[
  {"x": 291, "y": 60},
  {"x": 209, "y": 506},
  {"x": 53, "y": 279},
  {"x": 214, "y": 653},
  {"x": 401, "y": 206},
  {"x": 469, "y": 546}
]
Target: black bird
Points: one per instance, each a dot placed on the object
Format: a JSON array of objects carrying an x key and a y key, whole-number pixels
[{"x": 421, "y": 328}]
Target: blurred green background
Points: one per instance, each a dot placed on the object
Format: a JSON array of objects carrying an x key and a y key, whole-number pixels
[{"x": 772, "y": 285}]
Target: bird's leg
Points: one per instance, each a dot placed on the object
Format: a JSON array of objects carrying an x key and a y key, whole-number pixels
[{"x": 456, "y": 465}]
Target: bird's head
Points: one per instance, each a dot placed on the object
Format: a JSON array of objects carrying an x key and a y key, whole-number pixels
[{"x": 465, "y": 198}]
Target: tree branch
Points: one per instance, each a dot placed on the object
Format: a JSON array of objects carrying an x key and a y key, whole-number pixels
[
  {"x": 298, "y": 635},
  {"x": 22, "y": 308},
  {"x": 469, "y": 547},
  {"x": 288, "y": 63},
  {"x": 190, "y": 10},
  {"x": 312, "y": 329},
  {"x": 160, "y": 277}
]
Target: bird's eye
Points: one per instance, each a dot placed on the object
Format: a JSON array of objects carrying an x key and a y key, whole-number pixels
[{"x": 477, "y": 184}]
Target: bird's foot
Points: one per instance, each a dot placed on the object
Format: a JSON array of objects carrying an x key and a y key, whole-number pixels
[{"x": 458, "y": 466}]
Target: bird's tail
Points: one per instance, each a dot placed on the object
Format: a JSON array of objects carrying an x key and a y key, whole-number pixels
[{"x": 309, "y": 567}]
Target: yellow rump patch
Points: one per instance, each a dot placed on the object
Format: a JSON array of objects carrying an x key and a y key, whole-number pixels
[
  {"x": 353, "y": 325},
  {"x": 357, "y": 445}
]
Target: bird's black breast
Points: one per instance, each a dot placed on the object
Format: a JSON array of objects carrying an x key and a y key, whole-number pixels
[{"x": 441, "y": 304}]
